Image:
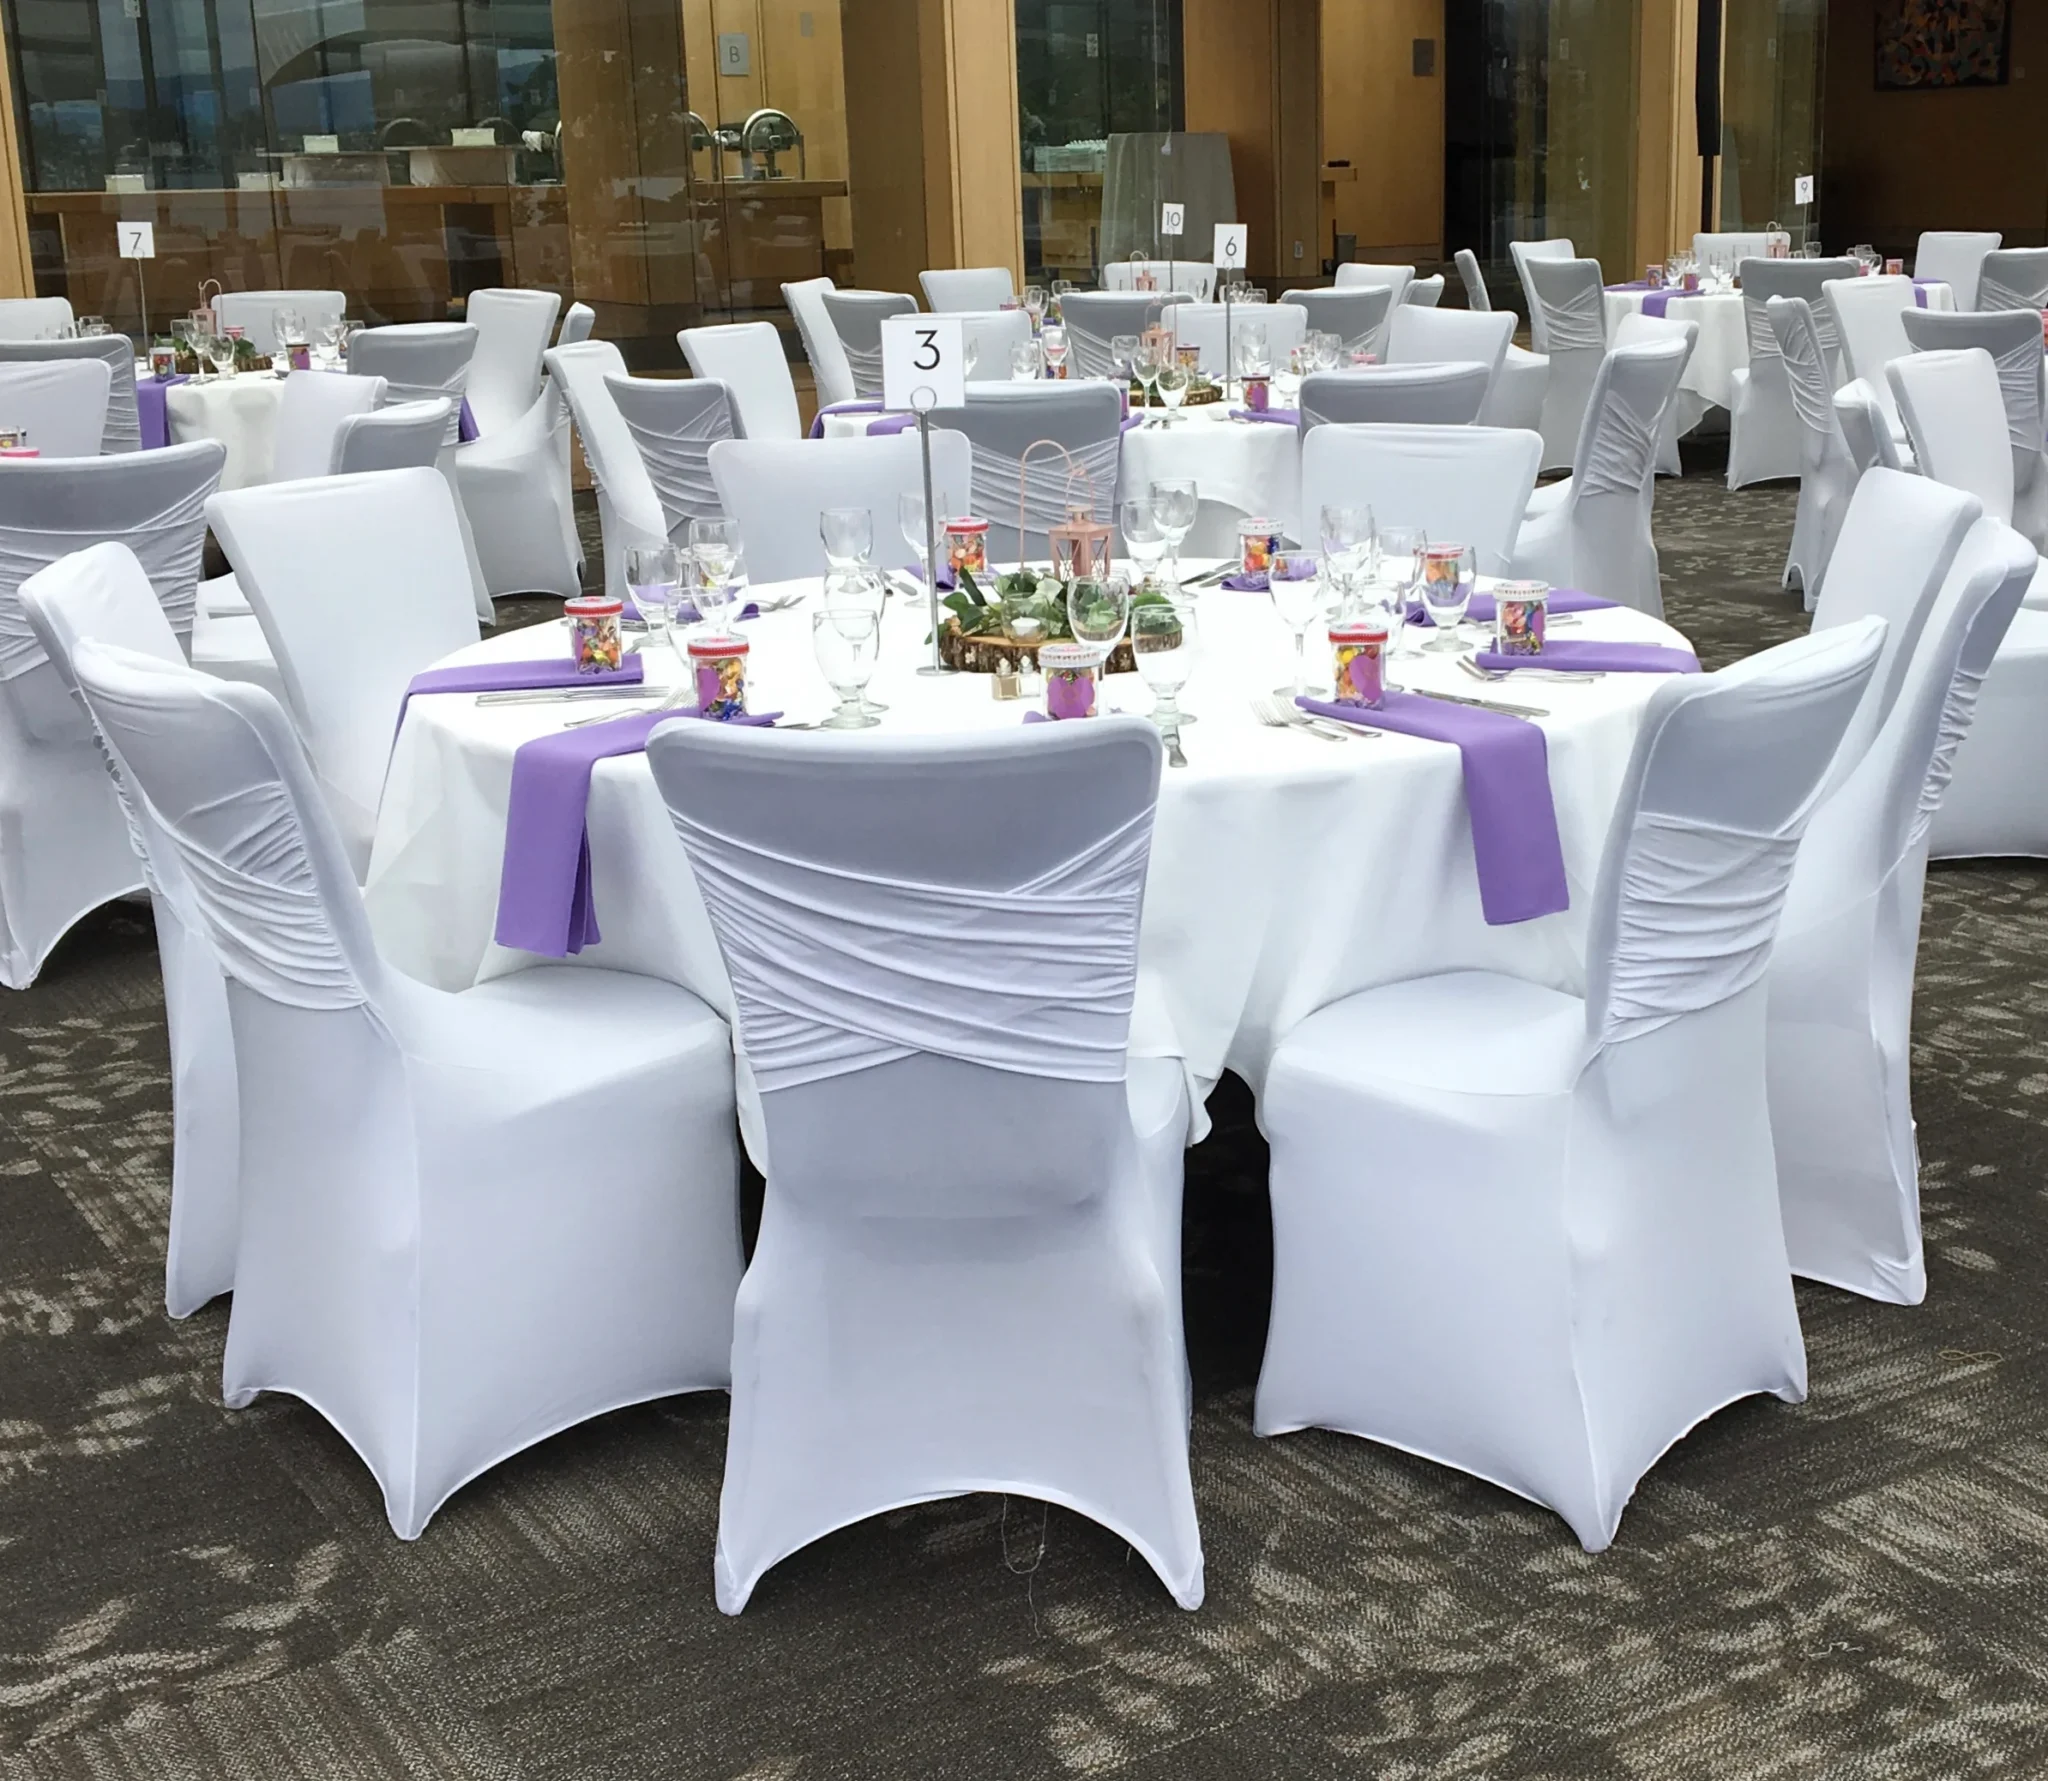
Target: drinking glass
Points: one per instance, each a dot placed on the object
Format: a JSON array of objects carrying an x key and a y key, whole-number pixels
[
  {"x": 1123, "y": 358},
  {"x": 848, "y": 534},
  {"x": 326, "y": 344},
  {"x": 1445, "y": 601},
  {"x": 1172, "y": 384},
  {"x": 1299, "y": 603},
  {"x": 1177, "y": 503},
  {"x": 220, "y": 352},
  {"x": 1400, "y": 568},
  {"x": 1329, "y": 350},
  {"x": 1027, "y": 362},
  {"x": 1034, "y": 304},
  {"x": 287, "y": 326},
  {"x": 1162, "y": 639},
  {"x": 1146, "y": 367},
  {"x": 91, "y": 326},
  {"x": 181, "y": 338},
  {"x": 1347, "y": 539},
  {"x": 1098, "y": 610},
  {"x": 858, "y": 587},
  {"x": 715, "y": 551},
  {"x": 1144, "y": 537},
  {"x": 1061, "y": 288},
  {"x": 1053, "y": 343},
  {"x": 847, "y": 641},
  {"x": 1249, "y": 350},
  {"x": 654, "y": 579}
]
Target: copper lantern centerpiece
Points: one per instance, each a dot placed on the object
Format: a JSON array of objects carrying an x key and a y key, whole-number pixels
[{"x": 1080, "y": 547}]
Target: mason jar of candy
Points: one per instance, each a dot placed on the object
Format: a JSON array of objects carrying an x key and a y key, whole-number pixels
[
  {"x": 1519, "y": 612},
  {"x": 1258, "y": 544},
  {"x": 718, "y": 666},
  {"x": 594, "y": 641},
  {"x": 1069, "y": 670},
  {"x": 967, "y": 546},
  {"x": 1258, "y": 395},
  {"x": 1359, "y": 648}
]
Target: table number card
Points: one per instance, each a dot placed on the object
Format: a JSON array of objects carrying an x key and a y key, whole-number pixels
[
  {"x": 923, "y": 353},
  {"x": 1230, "y": 246},
  {"x": 1173, "y": 219},
  {"x": 137, "y": 240}
]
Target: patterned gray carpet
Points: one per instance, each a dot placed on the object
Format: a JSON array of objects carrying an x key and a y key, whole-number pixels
[{"x": 1850, "y": 1588}]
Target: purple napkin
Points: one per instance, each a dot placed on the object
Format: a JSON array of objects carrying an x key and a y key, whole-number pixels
[
  {"x": 1507, "y": 790},
  {"x": 465, "y": 423},
  {"x": 544, "y": 900},
  {"x": 151, "y": 397},
  {"x": 1577, "y": 655},
  {"x": 1920, "y": 290},
  {"x": 1480, "y": 608},
  {"x": 1298, "y": 569},
  {"x": 1657, "y": 302},
  {"x": 1130, "y": 420},
  {"x": 1285, "y": 417},
  {"x": 506, "y": 677},
  {"x": 865, "y": 405},
  {"x": 891, "y": 424},
  {"x": 1629, "y": 284}
]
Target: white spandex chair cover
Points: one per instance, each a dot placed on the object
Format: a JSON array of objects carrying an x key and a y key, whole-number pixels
[
  {"x": 1841, "y": 987},
  {"x": 1200, "y": 325},
  {"x": 674, "y": 423},
  {"x": 1420, "y": 336},
  {"x": 1094, "y": 318},
  {"x": 988, "y": 337},
  {"x": 1594, "y": 533},
  {"x": 310, "y": 410},
  {"x": 1827, "y": 471},
  {"x": 1956, "y": 258},
  {"x": 628, "y": 509},
  {"x": 2013, "y": 339},
  {"x": 1517, "y": 396},
  {"x": 514, "y": 477},
  {"x": 1997, "y": 802},
  {"x": 1766, "y": 437},
  {"x": 857, "y": 318},
  {"x": 101, "y": 592},
  {"x": 1730, "y": 247},
  {"x": 577, "y": 323},
  {"x": 1001, "y": 422},
  {"x": 513, "y": 328},
  {"x": 1356, "y": 315},
  {"x": 1534, "y": 1236},
  {"x": 776, "y": 488},
  {"x": 64, "y": 846},
  {"x": 967, "y": 287},
  {"x": 1867, "y": 315},
  {"x": 831, "y": 375},
  {"x": 420, "y": 1170},
  {"x": 60, "y": 404},
  {"x": 404, "y": 436},
  {"x": 1400, "y": 395},
  {"x": 255, "y": 312},
  {"x": 747, "y": 357},
  {"x": 34, "y": 318},
  {"x": 1395, "y": 279},
  {"x": 1424, "y": 293},
  {"x": 926, "y": 1312},
  {"x": 1557, "y": 247},
  {"x": 359, "y": 584},
  {"x": 1470, "y": 484},
  {"x": 1955, "y": 416},
  {"x": 1638, "y": 329},
  {"x": 123, "y": 430},
  {"x": 2014, "y": 278},
  {"x": 1864, "y": 428},
  {"x": 1190, "y": 278},
  {"x": 1473, "y": 279},
  {"x": 1568, "y": 321}
]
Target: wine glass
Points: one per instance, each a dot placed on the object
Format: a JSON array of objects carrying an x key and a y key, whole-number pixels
[
  {"x": 1034, "y": 304},
  {"x": 715, "y": 551},
  {"x": 91, "y": 326},
  {"x": 1146, "y": 365},
  {"x": 858, "y": 587},
  {"x": 1053, "y": 343},
  {"x": 847, "y": 641},
  {"x": 910, "y": 520},
  {"x": 327, "y": 343},
  {"x": 1328, "y": 349},
  {"x": 1172, "y": 384},
  {"x": 220, "y": 353},
  {"x": 1176, "y": 503},
  {"x": 1445, "y": 598},
  {"x": 1162, "y": 640},
  {"x": 1299, "y": 602},
  {"x": 1145, "y": 537},
  {"x": 654, "y": 579},
  {"x": 848, "y": 534},
  {"x": 1061, "y": 289},
  {"x": 1347, "y": 539},
  {"x": 1123, "y": 359},
  {"x": 1098, "y": 609},
  {"x": 1400, "y": 568},
  {"x": 287, "y": 327},
  {"x": 1027, "y": 362}
]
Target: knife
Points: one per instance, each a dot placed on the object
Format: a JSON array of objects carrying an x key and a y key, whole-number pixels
[
  {"x": 556, "y": 694},
  {"x": 1484, "y": 704}
]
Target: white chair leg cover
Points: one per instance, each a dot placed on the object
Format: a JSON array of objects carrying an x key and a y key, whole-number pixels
[
  {"x": 1997, "y": 802},
  {"x": 1536, "y": 1237},
  {"x": 927, "y": 1312},
  {"x": 516, "y": 499},
  {"x": 1841, "y": 982}
]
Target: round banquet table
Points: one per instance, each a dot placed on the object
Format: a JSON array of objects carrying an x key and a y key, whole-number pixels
[
  {"x": 1286, "y": 871},
  {"x": 239, "y": 411}
]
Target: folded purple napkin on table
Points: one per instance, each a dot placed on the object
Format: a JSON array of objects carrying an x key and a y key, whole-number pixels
[
  {"x": 1657, "y": 302},
  {"x": 890, "y": 424},
  {"x": 1480, "y": 608},
  {"x": 1298, "y": 569},
  {"x": 1507, "y": 790},
  {"x": 1920, "y": 290},
  {"x": 687, "y": 613},
  {"x": 509, "y": 677},
  {"x": 151, "y": 396},
  {"x": 1588, "y": 655},
  {"x": 1286, "y": 417},
  {"x": 544, "y": 899},
  {"x": 865, "y": 405},
  {"x": 465, "y": 423}
]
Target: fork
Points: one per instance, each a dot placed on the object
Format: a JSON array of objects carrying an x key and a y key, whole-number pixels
[
  {"x": 1270, "y": 709},
  {"x": 1495, "y": 675}
]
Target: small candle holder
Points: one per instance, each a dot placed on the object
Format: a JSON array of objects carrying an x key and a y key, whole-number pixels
[{"x": 595, "y": 645}]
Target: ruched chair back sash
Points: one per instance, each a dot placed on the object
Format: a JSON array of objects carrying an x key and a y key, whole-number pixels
[
  {"x": 1726, "y": 773},
  {"x": 1094, "y": 318},
  {"x": 1002, "y": 422},
  {"x": 59, "y": 405},
  {"x": 749, "y": 359},
  {"x": 674, "y": 422},
  {"x": 122, "y": 430},
  {"x": 1763, "y": 279},
  {"x": 418, "y": 362},
  {"x": 2014, "y": 278},
  {"x": 404, "y": 436},
  {"x": 1357, "y": 315},
  {"x": 1442, "y": 395},
  {"x": 857, "y": 317},
  {"x": 1568, "y": 296}
]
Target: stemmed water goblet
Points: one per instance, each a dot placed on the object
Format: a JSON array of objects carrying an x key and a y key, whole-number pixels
[
  {"x": 1445, "y": 598},
  {"x": 654, "y": 579},
  {"x": 1027, "y": 362},
  {"x": 1162, "y": 645},
  {"x": 1034, "y": 304},
  {"x": 1298, "y": 600},
  {"x": 1052, "y": 341},
  {"x": 848, "y": 535},
  {"x": 1171, "y": 383},
  {"x": 858, "y": 585},
  {"x": 1123, "y": 360},
  {"x": 847, "y": 641},
  {"x": 220, "y": 352},
  {"x": 1098, "y": 610},
  {"x": 1145, "y": 538},
  {"x": 1176, "y": 504},
  {"x": 715, "y": 551},
  {"x": 1400, "y": 568},
  {"x": 1145, "y": 365}
]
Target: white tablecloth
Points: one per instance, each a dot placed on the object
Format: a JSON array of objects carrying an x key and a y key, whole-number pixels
[
  {"x": 1286, "y": 871},
  {"x": 239, "y": 411}
]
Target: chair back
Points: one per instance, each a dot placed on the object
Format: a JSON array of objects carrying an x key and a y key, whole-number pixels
[
  {"x": 400, "y": 437},
  {"x": 35, "y": 318},
  {"x": 674, "y": 423},
  {"x": 60, "y": 405},
  {"x": 1187, "y": 278},
  {"x": 578, "y": 320},
  {"x": 2014, "y": 278},
  {"x": 1470, "y": 485},
  {"x": 123, "y": 428},
  {"x": 988, "y": 337},
  {"x": 1200, "y": 325},
  {"x": 1867, "y": 315},
  {"x": 1474, "y": 281},
  {"x": 747, "y": 357},
  {"x": 1725, "y": 775},
  {"x": 1094, "y": 318},
  {"x": 628, "y": 509},
  {"x": 831, "y": 375},
  {"x": 1356, "y": 314},
  {"x": 1557, "y": 247},
  {"x": 857, "y": 318},
  {"x": 1809, "y": 377},
  {"x": 1399, "y": 395},
  {"x": 513, "y": 328},
  {"x": 1002, "y": 421},
  {"x": 967, "y": 287},
  {"x": 1955, "y": 416},
  {"x": 887, "y": 1034},
  {"x": 777, "y": 488},
  {"x": 1864, "y": 429},
  {"x": 418, "y": 361},
  {"x": 1956, "y": 258},
  {"x": 359, "y": 583},
  {"x": 310, "y": 410},
  {"x": 1418, "y": 336},
  {"x": 255, "y": 313},
  {"x": 1356, "y": 273},
  {"x": 1614, "y": 472},
  {"x": 1424, "y": 293},
  {"x": 1567, "y": 306},
  {"x": 2013, "y": 339},
  {"x": 1805, "y": 279}
]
